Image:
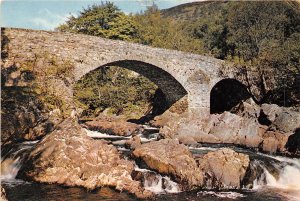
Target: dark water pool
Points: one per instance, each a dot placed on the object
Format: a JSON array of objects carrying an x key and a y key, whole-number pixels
[{"x": 18, "y": 190}]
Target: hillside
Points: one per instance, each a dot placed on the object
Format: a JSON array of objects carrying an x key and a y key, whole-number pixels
[
  {"x": 195, "y": 10},
  {"x": 204, "y": 9}
]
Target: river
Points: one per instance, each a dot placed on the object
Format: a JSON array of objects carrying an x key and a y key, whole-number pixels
[{"x": 278, "y": 178}]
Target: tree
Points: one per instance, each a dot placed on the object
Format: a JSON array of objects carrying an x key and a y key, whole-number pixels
[
  {"x": 266, "y": 34},
  {"x": 158, "y": 31},
  {"x": 104, "y": 20}
]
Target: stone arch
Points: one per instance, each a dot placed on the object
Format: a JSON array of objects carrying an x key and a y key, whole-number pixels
[
  {"x": 168, "y": 85},
  {"x": 226, "y": 94}
]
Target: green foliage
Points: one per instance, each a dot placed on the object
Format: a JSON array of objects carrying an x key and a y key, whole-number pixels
[
  {"x": 264, "y": 39},
  {"x": 157, "y": 31},
  {"x": 43, "y": 86},
  {"x": 262, "y": 35},
  {"x": 104, "y": 20},
  {"x": 121, "y": 90}
]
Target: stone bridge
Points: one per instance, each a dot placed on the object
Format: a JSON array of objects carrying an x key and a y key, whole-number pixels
[{"x": 176, "y": 73}]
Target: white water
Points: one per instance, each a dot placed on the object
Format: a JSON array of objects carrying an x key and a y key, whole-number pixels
[
  {"x": 11, "y": 164},
  {"x": 159, "y": 185},
  {"x": 96, "y": 134},
  {"x": 288, "y": 181},
  {"x": 144, "y": 139},
  {"x": 289, "y": 175},
  {"x": 10, "y": 168},
  {"x": 229, "y": 194},
  {"x": 203, "y": 148}
]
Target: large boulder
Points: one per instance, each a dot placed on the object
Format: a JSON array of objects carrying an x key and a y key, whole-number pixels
[
  {"x": 287, "y": 121},
  {"x": 247, "y": 109},
  {"x": 242, "y": 128},
  {"x": 216, "y": 128},
  {"x": 271, "y": 111},
  {"x": 169, "y": 157},
  {"x": 114, "y": 126},
  {"x": 68, "y": 156},
  {"x": 177, "y": 110},
  {"x": 223, "y": 169},
  {"x": 283, "y": 119}
]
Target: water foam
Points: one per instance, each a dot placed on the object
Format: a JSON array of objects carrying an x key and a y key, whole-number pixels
[
  {"x": 159, "y": 185},
  {"x": 12, "y": 161},
  {"x": 287, "y": 183},
  {"x": 229, "y": 194},
  {"x": 96, "y": 134},
  {"x": 288, "y": 178}
]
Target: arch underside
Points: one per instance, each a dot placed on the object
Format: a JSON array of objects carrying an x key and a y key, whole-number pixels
[
  {"x": 170, "y": 87},
  {"x": 226, "y": 94}
]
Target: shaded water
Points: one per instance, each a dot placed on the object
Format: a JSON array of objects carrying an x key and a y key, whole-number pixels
[
  {"x": 31, "y": 191},
  {"x": 277, "y": 178}
]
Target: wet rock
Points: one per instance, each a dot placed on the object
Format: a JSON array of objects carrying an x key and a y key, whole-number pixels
[
  {"x": 223, "y": 169},
  {"x": 169, "y": 157},
  {"x": 274, "y": 141},
  {"x": 133, "y": 143},
  {"x": 283, "y": 119},
  {"x": 257, "y": 169},
  {"x": 177, "y": 110},
  {"x": 271, "y": 111},
  {"x": 287, "y": 121},
  {"x": 68, "y": 156},
  {"x": 113, "y": 126},
  {"x": 156, "y": 182},
  {"x": 248, "y": 109},
  {"x": 143, "y": 176}
]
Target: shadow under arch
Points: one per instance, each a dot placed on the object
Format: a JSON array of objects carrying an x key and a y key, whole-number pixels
[
  {"x": 226, "y": 94},
  {"x": 170, "y": 90}
]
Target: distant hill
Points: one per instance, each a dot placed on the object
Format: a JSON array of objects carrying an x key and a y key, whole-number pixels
[{"x": 196, "y": 10}]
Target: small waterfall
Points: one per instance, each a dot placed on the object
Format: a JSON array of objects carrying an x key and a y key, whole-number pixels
[
  {"x": 288, "y": 177},
  {"x": 12, "y": 160},
  {"x": 161, "y": 185},
  {"x": 287, "y": 180},
  {"x": 156, "y": 183}
]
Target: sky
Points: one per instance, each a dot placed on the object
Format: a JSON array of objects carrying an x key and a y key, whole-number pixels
[{"x": 48, "y": 14}]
